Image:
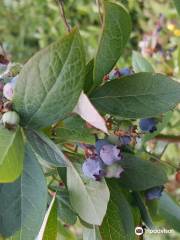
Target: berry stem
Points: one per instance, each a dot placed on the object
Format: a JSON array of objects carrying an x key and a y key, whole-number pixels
[{"x": 63, "y": 16}]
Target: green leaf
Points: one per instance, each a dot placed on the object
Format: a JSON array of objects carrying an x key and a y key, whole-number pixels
[
  {"x": 140, "y": 174},
  {"x": 46, "y": 148},
  {"x": 91, "y": 233},
  {"x": 65, "y": 210},
  {"x": 89, "y": 76},
  {"x": 50, "y": 83},
  {"x": 50, "y": 232},
  {"x": 23, "y": 203},
  {"x": 12, "y": 154},
  {"x": 89, "y": 198},
  {"x": 140, "y": 64},
  {"x": 137, "y": 96},
  {"x": 62, "y": 172},
  {"x": 170, "y": 211},
  {"x": 118, "y": 222},
  {"x": 115, "y": 34},
  {"x": 74, "y": 130},
  {"x": 143, "y": 210},
  {"x": 177, "y": 5}
]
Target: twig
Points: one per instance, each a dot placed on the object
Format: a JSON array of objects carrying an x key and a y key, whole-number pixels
[
  {"x": 63, "y": 16},
  {"x": 168, "y": 138},
  {"x": 99, "y": 10},
  {"x": 162, "y": 161}
]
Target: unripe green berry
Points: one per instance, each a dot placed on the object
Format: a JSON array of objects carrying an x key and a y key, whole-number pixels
[{"x": 10, "y": 118}]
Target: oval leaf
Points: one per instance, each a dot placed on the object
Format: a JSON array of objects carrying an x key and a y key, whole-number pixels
[
  {"x": 140, "y": 174},
  {"x": 50, "y": 83},
  {"x": 74, "y": 129},
  {"x": 65, "y": 210},
  {"x": 49, "y": 227},
  {"x": 137, "y": 96},
  {"x": 115, "y": 34},
  {"x": 23, "y": 203},
  {"x": 86, "y": 197},
  {"x": 170, "y": 211},
  {"x": 11, "y": 154},
  {"x": 46, "y": 148},
  {"x": 140, "y": 64},
  {"x": 88, "y": 112},
  {"x": 118, "y": 222}
]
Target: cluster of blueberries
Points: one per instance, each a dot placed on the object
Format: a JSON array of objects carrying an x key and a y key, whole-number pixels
[
  {"x": 106, "y": 157},
  {"x": 8, "y": 117},
  {"x": 107, "y": 154},
  {"x": 117, "y": 73}
]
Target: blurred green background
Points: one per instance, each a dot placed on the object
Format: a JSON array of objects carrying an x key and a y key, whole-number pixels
[{"x": 27, "y": 26}]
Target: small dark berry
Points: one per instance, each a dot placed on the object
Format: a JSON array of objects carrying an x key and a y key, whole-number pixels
[
  {"x": 148, "y": 125},
  {"x": 154, "y": 193}
]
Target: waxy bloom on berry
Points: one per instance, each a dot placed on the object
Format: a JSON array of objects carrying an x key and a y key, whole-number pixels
[
  {"x": 148, "y": 125},
  {"x": 110, "y": 154},
  {"x": 93, "y": 168}
]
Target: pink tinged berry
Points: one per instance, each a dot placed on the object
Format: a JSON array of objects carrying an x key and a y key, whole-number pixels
[
  {"x": 8, "y": 91},
  {"x": 93, "y": 168},
  {"x": 110, "y": 154},
  {"x": 114, "y": 171}
]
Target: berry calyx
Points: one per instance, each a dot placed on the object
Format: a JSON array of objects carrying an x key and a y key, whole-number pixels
[{"x": 148, "y": 125}]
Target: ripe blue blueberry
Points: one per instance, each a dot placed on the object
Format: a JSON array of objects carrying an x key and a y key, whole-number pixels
[
  {"x": 125, "y": 140},
  {"x": 148, "y": 125},
  {"x": 154, "y": 193},
  {"x": 114, "y": 74},
  {"x": 125, "y": 71},
  {"x": 99, "y": 144},
  {"x": 93, "y": 168},
  {"x": 110, "y": 154}
]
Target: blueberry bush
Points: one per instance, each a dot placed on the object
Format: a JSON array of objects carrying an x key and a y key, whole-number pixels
[{"x": 76, "y": 134}]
